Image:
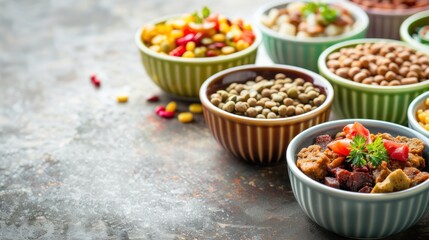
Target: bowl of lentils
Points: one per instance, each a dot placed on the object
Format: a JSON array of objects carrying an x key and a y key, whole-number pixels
[
  {"x": 386, "y": 16},
  {"x": 415, "y": 31},
  {"x": 180, "y": 52},
  {"x": 255, "y": 111},
  {"x": 296, "y": 32},
  {"x": 375, "y": 78}
]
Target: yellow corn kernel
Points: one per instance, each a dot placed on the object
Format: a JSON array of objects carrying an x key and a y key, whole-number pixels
[
  {"x": 241, "y": 44},
  {"x": 163, "y": 28},
  {"x": 158, "y": 39},
  {"x": 185, "y": 117},
  {"x": 224, "y": 27},
  {"x": 222, "y": 19},
  {"x": 219, "y": 37},
  {"x": 171, "y": 106},
  {"x": 155, "y": 48},
  {"x": 178, "y": 23},
  {"x": 175, "y": 33},
  {"x": 195, "y": 108},
  {"x": 188, "y": 54},
  {"x": 190, "y": 46},
  {"x": 122, "y": 98},
  {"x": 247, "y": 26},
  {"x": 227, "y": 50}
]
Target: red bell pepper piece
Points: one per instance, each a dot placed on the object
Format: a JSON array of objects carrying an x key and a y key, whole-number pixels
[
  {"x": 351, "y": 130},
  {"x": 198, "y": 37},
  {"x": 178, "y": 51},
  {"x": 341, "y": 146},
  {"x": 248, "y": 36},
  {"x": 396, "y": 151},
  {"x": 185, "y": 39}
]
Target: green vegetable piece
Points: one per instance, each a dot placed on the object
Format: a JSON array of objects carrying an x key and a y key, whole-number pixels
[
  {"x": 205, "y": 12},
  {"x": 309, "y": 8},
  {"x": 362, "y": 153},
  {"x": 377, "y": 152},
  {"x": 328, "y": 14},
  {"x": 357, "y": 153}
]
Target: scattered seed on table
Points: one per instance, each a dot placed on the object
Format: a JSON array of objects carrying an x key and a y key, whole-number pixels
[
  {"x": 159, "y": 109},
  {"x": 195, "y": 108},
  {"x": 95, "y": 81},
  {"x": 171, "y": 106},
  {"x": 185, "y": 117},
  {"x": 166, "y": 114},
  {"x": 153, "y": 98},
  {"x": 122, "y": 98}
]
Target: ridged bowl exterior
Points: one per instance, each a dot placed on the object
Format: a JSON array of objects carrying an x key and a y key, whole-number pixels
[
  {"x": 357, "y": 215},
  {"x": 183, "y": 77},
  {"x": 407, "y": 28},
  {"x": 357, "y": 100},
  {"x": 386, "y": 23},
  {"x": 305, "y": 52},
  {"x": 417, "y": 103},
  {"x": 259, "y": 141}
]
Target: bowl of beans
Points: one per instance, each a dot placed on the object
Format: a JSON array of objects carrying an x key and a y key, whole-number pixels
[
  {"x": 296, "y": 32},
  {"x": 255, "y": 111},
  {"x": 415, "y": 31},
  {"x": 418, "y": 114},
  {"x": 180, "y": 52},
  {"x": 360, "y": 178},
  {"x": 375, "y": 78},
  {"x": 386, "y": 16}
]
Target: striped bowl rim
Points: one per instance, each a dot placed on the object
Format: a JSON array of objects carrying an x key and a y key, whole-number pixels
[{"x": 403, "y": 30}]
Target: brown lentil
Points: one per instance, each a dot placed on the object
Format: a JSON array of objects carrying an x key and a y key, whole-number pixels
[
  {"x": 262, "y": 98},
  {"x": 380, "y": 63}
]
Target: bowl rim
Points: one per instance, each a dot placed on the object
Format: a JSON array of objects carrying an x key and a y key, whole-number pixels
[
  {"x": 142, "y": 47},
  {"x": 267, "y": 122},
  {"x": 357, "y": 12},
  {"x": 411, "y": 114},
  {"x": 343, "y": 194},
  {"x": 393, "y": 12},
  {"x": 323, "y": 69},
  {"x": 403, "y": 30}
]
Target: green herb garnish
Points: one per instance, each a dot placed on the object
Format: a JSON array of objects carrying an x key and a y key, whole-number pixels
[
  {"x": 328, "y": 14},
  {"x": 200, "y": 16},
  {"x": 362, "y": 154}
]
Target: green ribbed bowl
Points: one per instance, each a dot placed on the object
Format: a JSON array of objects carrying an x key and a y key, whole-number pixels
[
  {"x": 357, "y": 100},
  {"x": 407, "y": 29},
  {"x": 304, "y": 52},
  {"x": 183, "y": 77}
]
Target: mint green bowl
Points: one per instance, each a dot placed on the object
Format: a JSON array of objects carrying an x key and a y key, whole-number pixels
[
  {"x": 303, "y": 52},
  {"x": 407, "y": 29},
  {"x": 183, "y": 77},
  {"x": 357, "y": 100}
]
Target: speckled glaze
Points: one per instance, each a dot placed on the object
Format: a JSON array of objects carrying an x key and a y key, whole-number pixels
[
  {"x": 407, "y": 28},
  {"x": 386, "y": 23},
  {"x": 417, "y": 103},
  {"x": 357, "y": 100},
  {"x": 303, "y": 52},
  {"x": 182, "y": 77},
  {"x": 350, "y": 214},
  {"x": 260, "y": 141}
]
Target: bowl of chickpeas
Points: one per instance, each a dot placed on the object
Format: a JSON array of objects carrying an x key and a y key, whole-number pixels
[
  {"x": 254, "y": 111},
  {"x": 180, "y": 52},
  {"x": 415, "y": 30},
  {"x": 296, "y": 32},
  {"x": 386, "y": 16},
  {"x": 375, "y": 78},
  {"x": 418, "y": 114}
]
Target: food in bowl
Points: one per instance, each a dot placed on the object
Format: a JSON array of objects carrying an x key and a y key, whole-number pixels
[
  {"x": 423, "y": 115},
  {"x": 359, "y": 161},
  {"x": 421, "y": 34},
  {"x": 261, "y": 98},
  {"x": 380, "y": 63},
  {"x": 309, "y": 19},
  {"x": 391, "y": 4},
  {"x": 201, "y": 34}
]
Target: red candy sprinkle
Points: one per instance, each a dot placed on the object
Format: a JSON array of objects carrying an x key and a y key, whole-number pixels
[
  {"x": 153, "y": 98},
  {"x": 166, "y": 114},
  {"x": 159, "y": 109},
  {"x": 95, "y": 81}
]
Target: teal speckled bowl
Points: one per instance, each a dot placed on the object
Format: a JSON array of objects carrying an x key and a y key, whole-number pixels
[
  {"x": 183, "y": 77},
  {"x": 357, "y": 100},
  {"x": 408, "y": 26},
  {"x": 303, "y": 52},
  {"x": 351, "y": 214}
]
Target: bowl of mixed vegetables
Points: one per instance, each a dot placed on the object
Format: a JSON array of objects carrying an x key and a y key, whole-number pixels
[
  {"x": 296, "y": 32},
  {"x": 415, "y": 31},
  {"x": 360, "y": 178},
  {"x": 180, "y": 52}
]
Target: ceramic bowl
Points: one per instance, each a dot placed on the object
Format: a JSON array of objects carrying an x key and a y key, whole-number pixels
[
  {"x": 303, "y": 52},
  {"x": 417, "y": 103},
  {"x": 260, "y": 141},
  {"x": 357, "y": 100},
  {"x": 385, "y": 23},
  {"x": 352, "y": 214},
  {"x": 182, "y": 77},
  {"x": 408, "y": 27}
]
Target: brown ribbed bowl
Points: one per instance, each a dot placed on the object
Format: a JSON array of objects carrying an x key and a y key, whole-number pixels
[{"x": 260, "y": 141}]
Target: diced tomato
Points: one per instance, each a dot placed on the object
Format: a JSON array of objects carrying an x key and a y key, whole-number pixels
[
  {"x": 396, "y": 151},
  {"x": 248, "y": 36},
  {"x": 178, "y": 51},
  {"x": 341, "y": 146},
  {"x": 351, "y": 130}
]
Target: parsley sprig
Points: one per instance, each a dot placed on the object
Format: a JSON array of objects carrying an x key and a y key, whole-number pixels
[
  {"x": 328, "y": 14},
  {"x": 362, "y": 153},
  {"x": 200, "y": 16}
]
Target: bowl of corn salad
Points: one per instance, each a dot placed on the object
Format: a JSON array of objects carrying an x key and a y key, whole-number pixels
[
  {"x": 418, "y": 114},
  {"x": 180, "y": 52}
]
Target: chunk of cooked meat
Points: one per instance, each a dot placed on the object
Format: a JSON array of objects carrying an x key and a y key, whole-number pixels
[
  {"x": 416, "y": 175},
  {"x": 416, "y": 161},
  {"x": 323, "y": 140},
  {"x": 381, "y": 172},
  {"x": 415, "y": 145},
  {"x": 332, "y": 182},
  {"x": 396, "y": 181},
  {"x": 313, "y": 162}
]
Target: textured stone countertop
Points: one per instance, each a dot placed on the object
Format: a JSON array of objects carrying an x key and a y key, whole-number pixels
[{"x": 75, "y": 164}]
